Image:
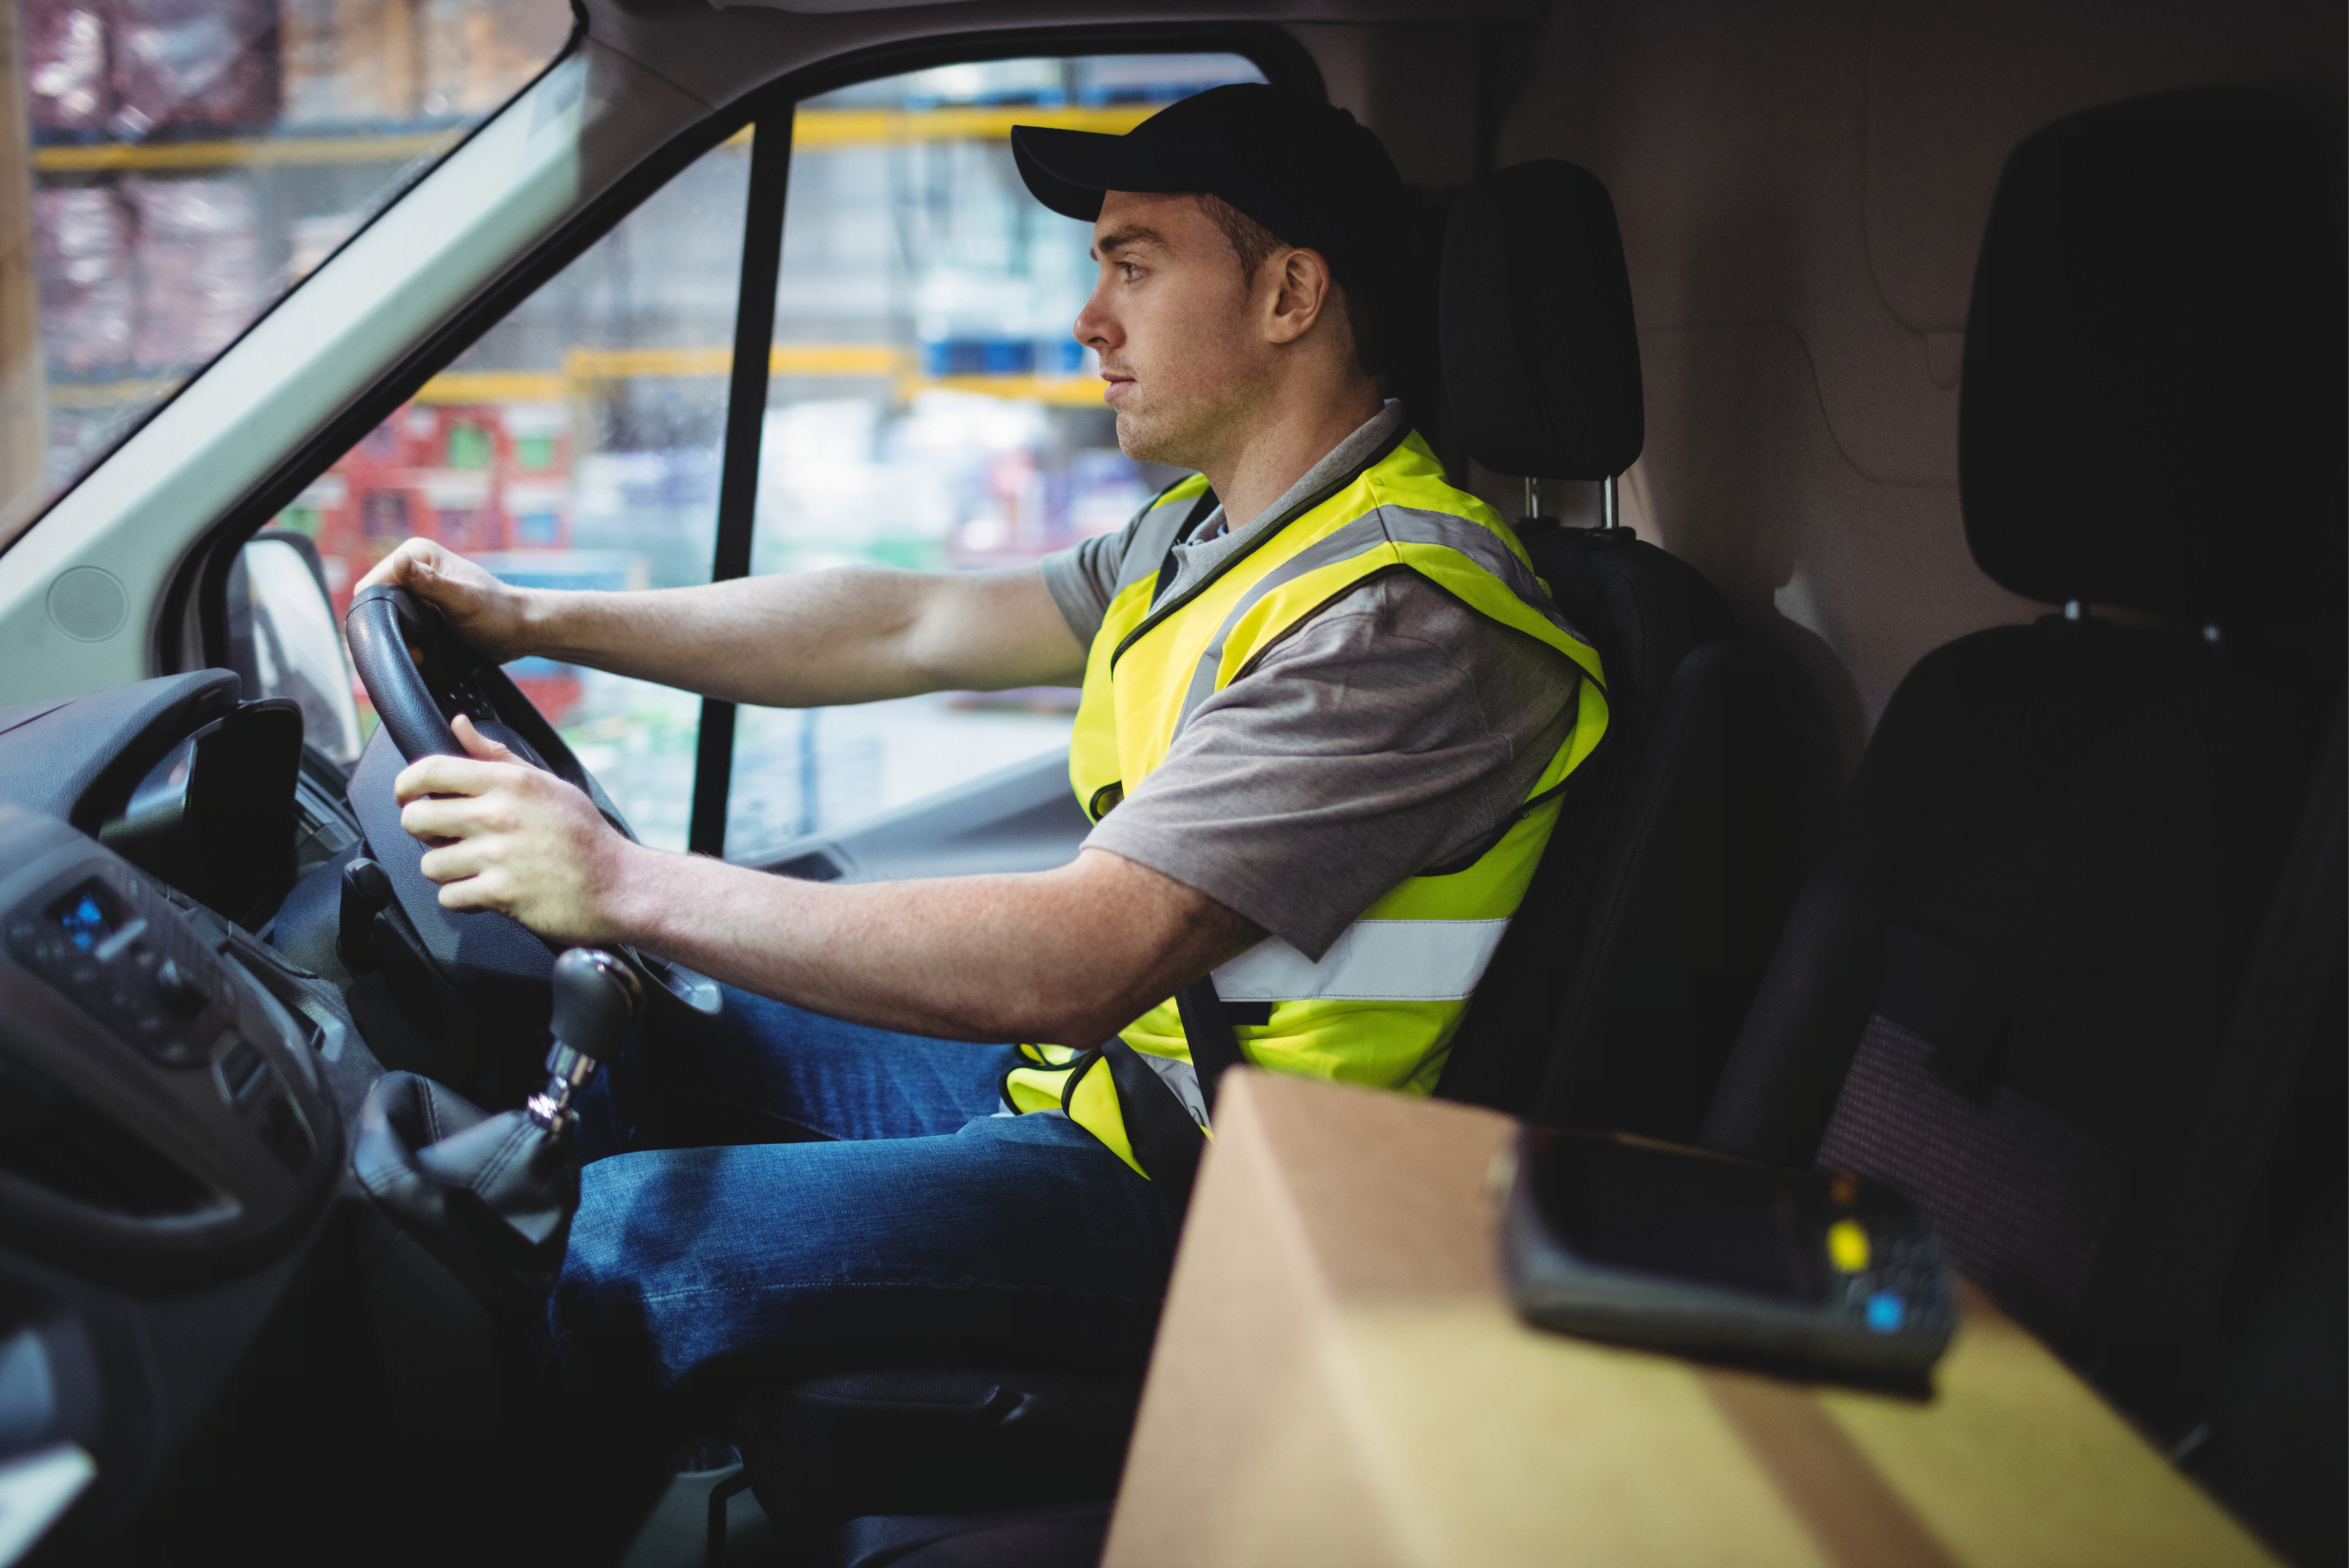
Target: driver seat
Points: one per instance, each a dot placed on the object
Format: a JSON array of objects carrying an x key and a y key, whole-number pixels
[{"x": 1618, "y": 989}]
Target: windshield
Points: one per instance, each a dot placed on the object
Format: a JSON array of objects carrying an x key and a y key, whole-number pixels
[{"x": 170, "y": 168}]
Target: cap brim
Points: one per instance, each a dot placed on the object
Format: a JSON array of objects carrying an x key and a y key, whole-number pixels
[{"x": 1068, "y": 170}]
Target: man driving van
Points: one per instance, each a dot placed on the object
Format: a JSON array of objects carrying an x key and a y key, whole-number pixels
[{"x": 1327, "y": 714}]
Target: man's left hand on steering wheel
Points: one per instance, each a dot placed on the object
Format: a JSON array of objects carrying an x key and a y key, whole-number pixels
[
  {"x": 489, "y": 616},
  {"x": 515, "y": 839}
]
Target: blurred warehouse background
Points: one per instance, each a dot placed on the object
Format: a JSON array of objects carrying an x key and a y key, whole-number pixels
[{"x": 184, "y": 162}]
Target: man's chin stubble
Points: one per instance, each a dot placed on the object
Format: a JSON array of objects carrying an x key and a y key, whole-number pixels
[{"x": 1149, "y": 441}]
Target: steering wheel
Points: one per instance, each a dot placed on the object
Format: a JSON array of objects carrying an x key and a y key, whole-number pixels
[{"x": 491, "y": 960}]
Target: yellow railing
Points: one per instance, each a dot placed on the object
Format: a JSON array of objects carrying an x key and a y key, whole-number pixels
[
  {"x": 111, "y": 395},
  {"x": 784, "y": 359},
  {"x": 1069, "y": 392},
  {"x": 255, "y": 152},
  {"x": 584, "y": 368},
  {"x": 810, "y": 128},
  {"x": 829, "y": 128}
]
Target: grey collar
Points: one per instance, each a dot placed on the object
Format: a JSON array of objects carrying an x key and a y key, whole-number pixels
[
  {"x": 1213, "y": 541},
  {"x": 1345, "y": 455}
]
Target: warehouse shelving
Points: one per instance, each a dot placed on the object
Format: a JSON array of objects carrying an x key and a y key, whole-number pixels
[{"x": 811, "y": 128}]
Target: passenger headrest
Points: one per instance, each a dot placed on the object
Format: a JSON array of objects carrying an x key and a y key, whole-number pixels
[
  {"x": 1541, "y": 363},
  {"x": 2152, "y": 410}
]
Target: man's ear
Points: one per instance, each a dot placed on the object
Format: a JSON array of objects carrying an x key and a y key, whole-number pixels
[{"x": 1301, "y": 296}]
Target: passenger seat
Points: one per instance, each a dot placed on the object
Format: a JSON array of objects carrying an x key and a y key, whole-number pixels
[{"x": 2071, "y": 974}]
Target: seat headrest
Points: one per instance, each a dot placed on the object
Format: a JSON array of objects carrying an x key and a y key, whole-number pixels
[
  {"x": 2152, "y": 407},
  {"x": 1541, "y": 361}
]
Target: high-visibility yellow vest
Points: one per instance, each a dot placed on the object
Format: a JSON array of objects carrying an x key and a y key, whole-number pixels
[{"x": 1381, "y": 1005}]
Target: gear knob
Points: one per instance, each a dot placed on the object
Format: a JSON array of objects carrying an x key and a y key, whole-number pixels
[{"x": 596, "y": 997}]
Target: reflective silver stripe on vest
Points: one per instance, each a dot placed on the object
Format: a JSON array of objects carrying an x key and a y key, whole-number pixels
[
  {"x": 1152, "y": 538},
  {"x": 1401, "y": 524},
  {"x": 1372, "y": 960},
  {"x": 1182, "y": 1079}
]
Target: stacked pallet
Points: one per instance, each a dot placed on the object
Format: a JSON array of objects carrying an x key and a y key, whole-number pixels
[
  {"x": 132, "y": 70},
  {"x": 160, "y": 221}
]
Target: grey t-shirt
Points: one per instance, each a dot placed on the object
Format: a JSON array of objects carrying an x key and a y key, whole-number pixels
[{"x": 1395, "y": 731}]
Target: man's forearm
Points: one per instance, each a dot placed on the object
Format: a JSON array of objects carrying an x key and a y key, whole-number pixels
[
  {"x": 1068, "y": 956},
  {"x": 850, "y": 635}
]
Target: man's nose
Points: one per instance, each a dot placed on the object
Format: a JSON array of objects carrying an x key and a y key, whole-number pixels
[{"x": 1095, "y": 327}]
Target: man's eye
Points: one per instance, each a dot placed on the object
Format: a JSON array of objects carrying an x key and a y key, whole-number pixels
[{"x": 1129, "y": 269}]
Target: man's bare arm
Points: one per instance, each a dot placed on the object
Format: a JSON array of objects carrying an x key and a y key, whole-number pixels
[
  {"x": 850, "y": 635},
  {"x": 1068, "y": 956}
]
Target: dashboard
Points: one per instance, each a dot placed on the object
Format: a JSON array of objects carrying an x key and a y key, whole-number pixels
[{"x": 175, "y": 1090}]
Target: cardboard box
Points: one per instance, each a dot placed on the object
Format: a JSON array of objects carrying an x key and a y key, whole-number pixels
[{"x": 1339, "y": 1380}]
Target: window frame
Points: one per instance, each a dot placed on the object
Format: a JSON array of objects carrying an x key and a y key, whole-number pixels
[{"x": 192, "y": 629}]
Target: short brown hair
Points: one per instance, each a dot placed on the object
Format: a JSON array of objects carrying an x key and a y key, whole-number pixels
[{"x": 1255, "y": 244}]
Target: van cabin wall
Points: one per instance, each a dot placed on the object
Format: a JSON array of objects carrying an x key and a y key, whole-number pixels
[
  {"x": 1415, "y": 85},
  {"x": 1803, "y": 187}
]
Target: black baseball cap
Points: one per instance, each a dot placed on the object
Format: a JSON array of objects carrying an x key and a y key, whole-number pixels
[{"x": 1305, "y": 170}]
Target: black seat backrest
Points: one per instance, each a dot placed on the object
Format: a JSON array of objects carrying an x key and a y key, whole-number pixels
[
  {"x": 2006, "y": 990},
  {"x": 1618, "y": 989}
]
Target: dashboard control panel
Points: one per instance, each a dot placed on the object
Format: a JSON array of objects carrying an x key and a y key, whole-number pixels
[
  {"x": 161, "y": 1115},
  {"x": 146, "y": 979}
]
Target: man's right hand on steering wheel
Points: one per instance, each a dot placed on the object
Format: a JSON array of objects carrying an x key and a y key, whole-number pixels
[
  {"x": 492, "y": 617},
  {"x": 517, "y": 840}
]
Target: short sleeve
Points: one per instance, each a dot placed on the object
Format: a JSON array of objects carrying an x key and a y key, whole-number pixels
[{"x": 1084, "y": 576}]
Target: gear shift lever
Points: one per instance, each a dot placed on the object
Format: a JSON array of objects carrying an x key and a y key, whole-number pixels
[
  {"x": 596, "y": 998},
  {"x": 493, "y": 1196}
]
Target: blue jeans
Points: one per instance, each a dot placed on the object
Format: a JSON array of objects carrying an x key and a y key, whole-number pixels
[{"x": 909, "y": 1225}]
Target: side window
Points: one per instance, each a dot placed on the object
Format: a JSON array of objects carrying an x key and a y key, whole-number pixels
[
  {"x": 923, "y": 403},
  {"x": 577, "y": 444},
  {"x": 927, "y": 406}
]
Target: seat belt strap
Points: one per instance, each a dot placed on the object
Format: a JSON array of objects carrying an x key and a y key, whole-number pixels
[
  {"x": 1161, "y": 1131},
  {"x": 1208, "y": 1030}
]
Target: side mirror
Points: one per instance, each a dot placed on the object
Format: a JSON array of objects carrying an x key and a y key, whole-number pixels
[{"x": 283, "y": 640}]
